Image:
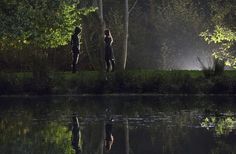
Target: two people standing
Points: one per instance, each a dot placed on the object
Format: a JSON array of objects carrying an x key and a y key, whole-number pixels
[{"x": 109, "y": 55}]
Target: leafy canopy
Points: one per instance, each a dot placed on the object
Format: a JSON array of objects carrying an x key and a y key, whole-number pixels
[
  {"x": 41, "y": 23},
  {"x": 223, "y": 34}
]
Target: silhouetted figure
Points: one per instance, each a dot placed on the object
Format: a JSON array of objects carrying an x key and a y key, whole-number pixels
[
  {"x": 75, "y": 135},
  {"x": 109, "y": 137},
  {"x": 109, "y": 55},
  {"x": 75, "y": 48}
]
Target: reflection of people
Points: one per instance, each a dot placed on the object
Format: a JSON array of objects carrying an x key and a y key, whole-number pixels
[
  {"x": 75, "y": 135},
  {"x": 75, "y": 47},
  {"x": 109, "y": 55},
  {"x": 109, "y": 137}
]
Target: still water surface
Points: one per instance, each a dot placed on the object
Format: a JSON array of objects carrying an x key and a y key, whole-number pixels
[{"x": 140, "y": 125}]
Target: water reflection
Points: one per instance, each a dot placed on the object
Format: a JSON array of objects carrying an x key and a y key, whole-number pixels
[
  {"x": 109, "y": 139},
  {"x": 126, "y": 136},
  {"x": 76, "y": 136},
  {"x": 136, "y": 125},
  {"x": 220, "y": 124}
]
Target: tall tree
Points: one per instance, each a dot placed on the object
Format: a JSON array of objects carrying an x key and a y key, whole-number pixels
[
  {"x": 102, "y": 28},
  {"x": 126, "y": 34}
]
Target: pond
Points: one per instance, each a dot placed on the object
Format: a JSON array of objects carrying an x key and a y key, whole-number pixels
[{"x": 139, "y": 124}]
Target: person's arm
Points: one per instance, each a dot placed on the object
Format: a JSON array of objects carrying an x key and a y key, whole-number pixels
[
  {"x": 111, "y": 39},
  {"x": 78, "y": 43},
  {"x": 105, "y": 39}
]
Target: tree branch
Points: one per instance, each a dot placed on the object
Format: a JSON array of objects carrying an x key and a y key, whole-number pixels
[{"x": 131, "y": 9}]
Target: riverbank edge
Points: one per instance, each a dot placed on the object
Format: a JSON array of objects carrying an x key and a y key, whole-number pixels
[
  {"x": 119, "y": 95},
  {"x": 144, "y": 82}
]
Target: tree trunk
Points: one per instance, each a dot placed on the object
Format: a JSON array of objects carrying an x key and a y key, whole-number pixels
[
  {"x": 101, "y": 35},
  {"x": 87, "y": 50},
  {"x": 126, "y": 35}
]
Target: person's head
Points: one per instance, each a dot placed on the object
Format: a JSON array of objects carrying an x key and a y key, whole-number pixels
[
  {"x": 77, "y": 30},
  {"x": 107, "y": 32}
]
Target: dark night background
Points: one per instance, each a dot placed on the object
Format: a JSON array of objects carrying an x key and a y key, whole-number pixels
[{"x": 162, "y": 34}]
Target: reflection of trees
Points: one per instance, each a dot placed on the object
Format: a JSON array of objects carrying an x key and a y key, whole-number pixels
[
  {"x": 55, "y": 137},
  {"x": 19, "y": 135},
  {"x": 93, "y": 138},
  {"x": 41, "y": 128},
  {"x": 14, "y": 131},
  {"x": 222, "y": 125},
  {"x": 31, "y": 129},
  {"x": 126, "y": 136},
  {"x": 223, "y": 147}
]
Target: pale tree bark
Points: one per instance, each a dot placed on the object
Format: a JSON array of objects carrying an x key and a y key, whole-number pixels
[
  {"x": 100, "y": 9},
  {"x": 126, "y": 34}
]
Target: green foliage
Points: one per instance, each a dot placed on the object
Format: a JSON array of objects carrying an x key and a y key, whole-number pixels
[
  {"x": 225, "y": 38},
  {"x": 57, "y": 137},
  {"x": 223, "y": 34},
  {"x": 220, "y": 125},
  {"x": 52, "y": 137},
  {"x": 220, "y": 34},
  {"x": 42, "y": 23}
]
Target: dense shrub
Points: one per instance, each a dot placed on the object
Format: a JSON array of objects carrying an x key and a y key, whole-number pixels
[
  {"x": 41, "y": 81},
  {"x": 161, "y": 82},
  {"x": 222, "y": 84}
]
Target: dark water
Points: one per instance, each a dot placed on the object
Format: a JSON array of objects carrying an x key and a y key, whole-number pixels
[{"x": 141, "y": 124}]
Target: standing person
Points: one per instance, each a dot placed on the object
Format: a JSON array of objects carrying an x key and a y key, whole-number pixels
[
  {"x": 75, "y": 48},
  {"x": 109, "y": 55}
]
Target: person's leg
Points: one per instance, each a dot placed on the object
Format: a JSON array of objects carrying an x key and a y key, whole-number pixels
[
  {"x": 77, "y": 60},
  {"x": 113, "y": 65},
  {"x": 74, "y": 61},
  {"x": 107, "y": 65}
]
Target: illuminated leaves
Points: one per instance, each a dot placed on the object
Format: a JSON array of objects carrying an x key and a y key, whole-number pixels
[
  {"x": 43, "y": 23},
  {"x": 220, "y": 125},
  {"x": 219, "y": 35},
  {"x": 223, "y": 35}
]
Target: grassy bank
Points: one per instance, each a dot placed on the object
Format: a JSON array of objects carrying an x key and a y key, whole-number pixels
[{"x": 144, "y": 81}]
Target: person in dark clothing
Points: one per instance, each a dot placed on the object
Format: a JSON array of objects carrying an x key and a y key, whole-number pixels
[
  {"x": 109, "y": 137},
  {"x": 109, "y": 55},
  {"x": 75, "y": 48},
  {"x": 75, "y": 135}
]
